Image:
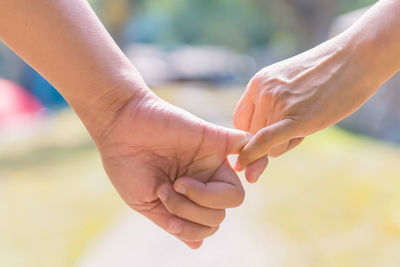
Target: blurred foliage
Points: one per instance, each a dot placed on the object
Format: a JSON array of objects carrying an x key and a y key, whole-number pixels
[
  {"x": 54, "y": 196},
  {"x": 238, "y": 24},
  {"x": 337, "y": 204},
  {"x": 333, "y": 201}
]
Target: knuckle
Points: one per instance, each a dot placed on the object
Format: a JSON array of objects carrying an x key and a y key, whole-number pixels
[
  {"x": 207, "y": 232},
  {"x": 210, "y": 232},
  {"x": 276, "y": 89},
  {"x": 239, "y": 197},
  {"x": 219, "y": 218},
  {"x": 277, "y": 82},
  {"x": 259, "y": 79},
  {"x": 197, "y": 234},
  {"x": 266, "y": 96},
  {"x": 255, "y": 82},
  {"x": 214, "y": 230},
  {"x": 264, "y": 135}
]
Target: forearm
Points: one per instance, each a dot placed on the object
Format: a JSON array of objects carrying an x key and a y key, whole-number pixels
[
  {"x": 68, "y": 45},
  {"x": 294, "y": 98},
  {"x": 376, "y": 39}
]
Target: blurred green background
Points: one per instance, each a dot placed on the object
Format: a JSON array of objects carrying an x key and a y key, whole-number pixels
[{"x": 334, "y": 201}]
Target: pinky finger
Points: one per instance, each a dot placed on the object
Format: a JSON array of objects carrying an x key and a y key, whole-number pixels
[
  {"x": 193, "y": 244},
  {"x": 182, "y": 229}
]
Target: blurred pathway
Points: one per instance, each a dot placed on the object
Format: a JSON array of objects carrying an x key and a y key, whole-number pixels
[{"x": 135, "y": 241}]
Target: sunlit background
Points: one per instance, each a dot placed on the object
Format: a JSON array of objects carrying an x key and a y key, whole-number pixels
[{"x": 333, "y": 201}]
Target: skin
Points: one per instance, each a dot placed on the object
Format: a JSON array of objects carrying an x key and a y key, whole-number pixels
[
  {"x": 150, "y": 149},
  {"x": 144, "y": 165},
  {"x": 297, "y": 97}
]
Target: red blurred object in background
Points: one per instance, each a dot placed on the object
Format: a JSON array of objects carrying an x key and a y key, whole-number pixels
[{"x": 17, "y": 106}]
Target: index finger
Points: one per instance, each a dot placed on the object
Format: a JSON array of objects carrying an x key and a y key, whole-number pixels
[{"x": 224, "y": 190}]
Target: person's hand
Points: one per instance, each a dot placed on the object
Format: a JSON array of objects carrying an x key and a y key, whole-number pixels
[
  {"x": 294, "y": 98},
  {"x": 150, "y": 144}
]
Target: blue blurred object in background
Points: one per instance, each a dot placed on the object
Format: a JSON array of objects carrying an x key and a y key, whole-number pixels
[
  {"x": 15, "y": 69},
  {"x": 42, "y": 89}
]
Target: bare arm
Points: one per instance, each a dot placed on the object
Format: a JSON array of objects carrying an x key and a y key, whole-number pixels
[
  {"x": 292, "y": 99},
  {"x": 145, "y": 143},
  {"x": 68, "y": 45},
  {"x": 377, "y": 33}
]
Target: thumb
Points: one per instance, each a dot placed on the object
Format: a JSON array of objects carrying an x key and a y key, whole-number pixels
[
  {"x": 237, "y": 140},
  {"x": 265, "y": 140}
]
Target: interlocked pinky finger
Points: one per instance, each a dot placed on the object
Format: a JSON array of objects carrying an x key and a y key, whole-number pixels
[{"x": 182, "y": 229}]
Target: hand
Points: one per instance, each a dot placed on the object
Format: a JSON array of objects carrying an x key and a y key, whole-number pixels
[
  {"x": 294, "y": 98},
  {"x": 150, "y": 144}
]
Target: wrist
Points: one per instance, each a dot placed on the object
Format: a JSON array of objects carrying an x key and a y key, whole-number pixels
[
  {"x": 99, "y": 111},
  {"x": 361, "y": 60},
  {"x": 353, "y": 57},
  {"x": 376, "y": 62}
]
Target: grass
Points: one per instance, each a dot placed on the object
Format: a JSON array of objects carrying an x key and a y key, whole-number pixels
[
  {"x": 333, "y": 201},
  {"x": 54, "y": 196}
]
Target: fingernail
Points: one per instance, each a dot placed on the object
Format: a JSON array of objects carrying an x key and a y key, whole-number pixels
[
  {"x": 163, "y": 193},
  {"x": 237, "y": 166},
  {"x": 181, "y": 189},
  {"x": 175, "y": 227}
]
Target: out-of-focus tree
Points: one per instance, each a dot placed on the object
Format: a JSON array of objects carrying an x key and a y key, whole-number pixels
[
  {"x": 115, "y": 14},
  {"x": 311, "y": 19},
  {"x": 235, "y": 23},
  {"x": 308, "y": 20}
]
